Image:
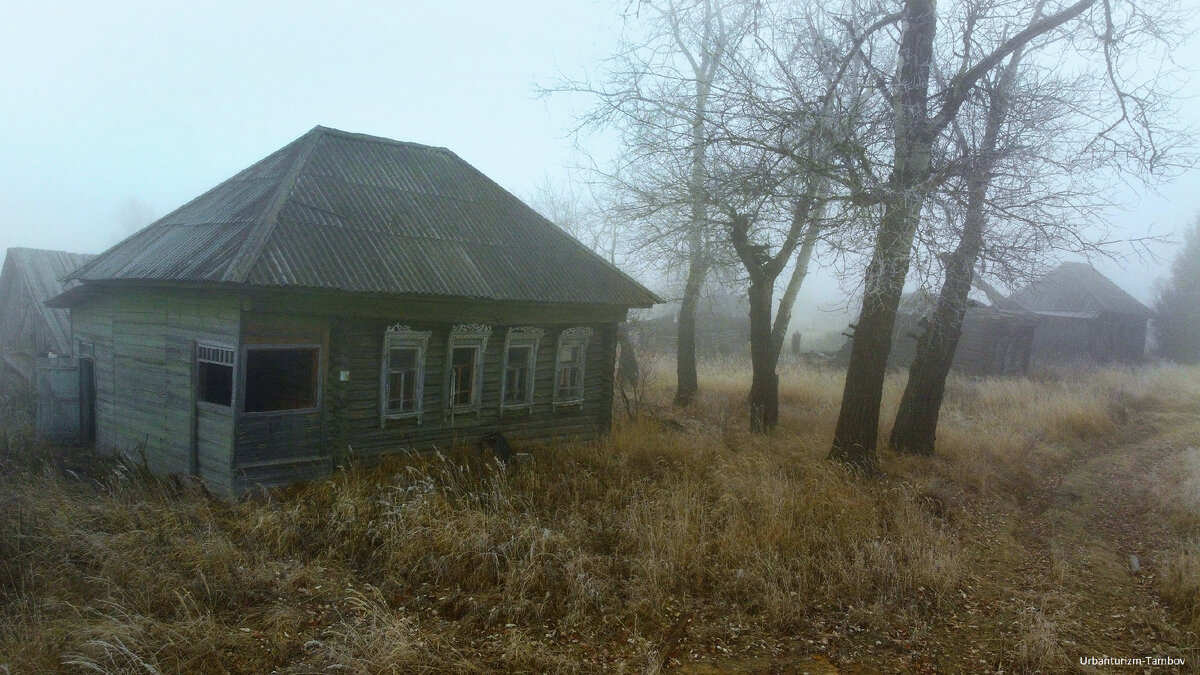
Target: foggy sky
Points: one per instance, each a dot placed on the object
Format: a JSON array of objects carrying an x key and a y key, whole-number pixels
[{"x": 118, "y": 112}]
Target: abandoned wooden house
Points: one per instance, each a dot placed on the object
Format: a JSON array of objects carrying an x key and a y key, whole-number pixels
[
  {"x": 346, "y": 296},
  {"x": 1083, "y": 317},
  {"x": 995, "y": 340},
  {"x": 28, "y": 328}
]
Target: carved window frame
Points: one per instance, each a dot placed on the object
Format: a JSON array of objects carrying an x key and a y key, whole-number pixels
[
  {"x": 398, "y": 336},
  {"x": 578, "y": 336},
  {"x": 520, "y": 336},
  {"x": 474, "y": 336}
]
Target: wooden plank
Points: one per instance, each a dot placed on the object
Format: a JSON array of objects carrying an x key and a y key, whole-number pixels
[{"x": 357, "y": 348}]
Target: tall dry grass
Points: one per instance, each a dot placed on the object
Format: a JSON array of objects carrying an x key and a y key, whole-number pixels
[{"x": 594, "y": 551}]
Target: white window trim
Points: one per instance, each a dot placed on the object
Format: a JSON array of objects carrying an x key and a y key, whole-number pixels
[
  {"x": 520, "y": 336},
  {"x": 466, "y": 335},
  {"x": 579, "y": 335},
  {"x": 399, "y": 336}
]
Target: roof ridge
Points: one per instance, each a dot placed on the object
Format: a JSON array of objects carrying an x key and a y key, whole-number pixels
[
  {"x": 260, "y": 231},
  {"x": 44, "y": 250},
  {"x": 383, "y": 140}
]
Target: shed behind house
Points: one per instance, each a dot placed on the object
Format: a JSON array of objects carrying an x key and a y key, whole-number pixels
[
  {"x": 28, "y": 328},
  {"x": 1083, "y": 317}
]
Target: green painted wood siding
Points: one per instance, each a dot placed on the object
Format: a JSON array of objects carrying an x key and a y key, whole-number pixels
[
  {"x": 144, "y": 345},
  {"x": 353, "y": 407}
]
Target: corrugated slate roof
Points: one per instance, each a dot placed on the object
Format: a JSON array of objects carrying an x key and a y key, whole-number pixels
[
  {"x": 1078, "y": 289},
  {"x": 42, "y": 272},
  {"x": 351, "y": 212}
]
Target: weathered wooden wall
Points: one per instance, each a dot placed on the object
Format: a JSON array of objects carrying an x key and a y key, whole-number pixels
[
  {"x": 986, "y": 338},
  {"x": 144, "y": 349},
  {"x": 1060, "y": 339},
  {"x": 353, "y": 407},
  {"x": 274, "y": 448},
  {"x": 144, "y": 341},
  {"x": 1108, "y": 338}
]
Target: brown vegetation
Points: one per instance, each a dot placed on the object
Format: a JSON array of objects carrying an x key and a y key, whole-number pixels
[{"x": 678, "y": 540}]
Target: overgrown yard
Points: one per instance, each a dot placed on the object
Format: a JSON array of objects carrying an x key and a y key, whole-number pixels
[{"x": 682, "y": 541}]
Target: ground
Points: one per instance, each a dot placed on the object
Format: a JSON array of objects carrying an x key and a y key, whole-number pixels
[
  {"x": 1065, "y": 573},
  {"x": 1059, "y": 520}
]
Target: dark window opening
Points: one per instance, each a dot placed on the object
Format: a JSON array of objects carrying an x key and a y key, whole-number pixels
[
  {"x": 516, "y": 375},
  {"x": 402, "y": 380},
  {"x": 214, "y": 374},
  {"x": 216, "y": 383},
  {"x": 569, "y": 385},
  {"x": 462, "y": 376},
  {"x": 281, "y": 379}
]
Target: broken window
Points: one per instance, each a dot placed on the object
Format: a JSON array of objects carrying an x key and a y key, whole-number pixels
[
  {"x": 520, "y": 356},
  {"x": 281, "y": 378},
  {"x": 569, "y": 363},
  {"x": 403, "y": 372},
  {"x": 464, "y": 377},
  {"x": 214, "y": 374}
]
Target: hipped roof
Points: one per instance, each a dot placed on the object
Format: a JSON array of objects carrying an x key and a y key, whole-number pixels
[
  {"x": 1077, "y": 289},
  {"x": 350, "y": 212}
]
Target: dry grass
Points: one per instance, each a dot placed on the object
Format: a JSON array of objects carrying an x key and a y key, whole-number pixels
[{"x": 585, "y": 559}]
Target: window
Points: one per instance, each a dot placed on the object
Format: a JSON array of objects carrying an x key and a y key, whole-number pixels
[
  {"x": 520, "y": 356},
  {"x": 281, "y": 378},
  {"x": 403, "y": 376},
  {"x": 568, "y": 366},
  {"x": 464, "y": 364},
  {"x": 214, "y": 374}
]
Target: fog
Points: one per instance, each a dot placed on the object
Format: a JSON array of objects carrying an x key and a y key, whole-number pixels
[{"x": 117, "y": 113}]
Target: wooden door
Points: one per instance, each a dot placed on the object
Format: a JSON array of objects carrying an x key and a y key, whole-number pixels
[{"x": 58, "y": 399}]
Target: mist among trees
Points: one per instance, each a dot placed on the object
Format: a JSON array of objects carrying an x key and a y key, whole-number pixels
[{"x": 884, "y": 142}]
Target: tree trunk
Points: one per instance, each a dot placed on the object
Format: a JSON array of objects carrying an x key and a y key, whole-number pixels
[
  {"x": 788, "y": 300},
  {"x": 764, "y": 385},
  {"x": 687, "y": 385},
  {"x": 629, "y": 375},
  {"x": 685, "y": 345},
  {"x": 916, "y": 421},
  {"x": 915, "y": 430},
  {"x": 856, "y": 435}
]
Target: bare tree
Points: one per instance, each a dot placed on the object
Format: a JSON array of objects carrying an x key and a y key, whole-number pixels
[
  {"x": 984, "y": 35},
  {"x": 657, "y": 92},
  {"x": 916, "y": 420},
  {"x": 790, "y": 123}
]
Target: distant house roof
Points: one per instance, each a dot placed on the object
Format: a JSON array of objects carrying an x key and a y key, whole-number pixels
[
  {"x": 1077, "y": 289},
  {"x": 350, "y": 212},
  {"x": 40, "y": 274}
]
